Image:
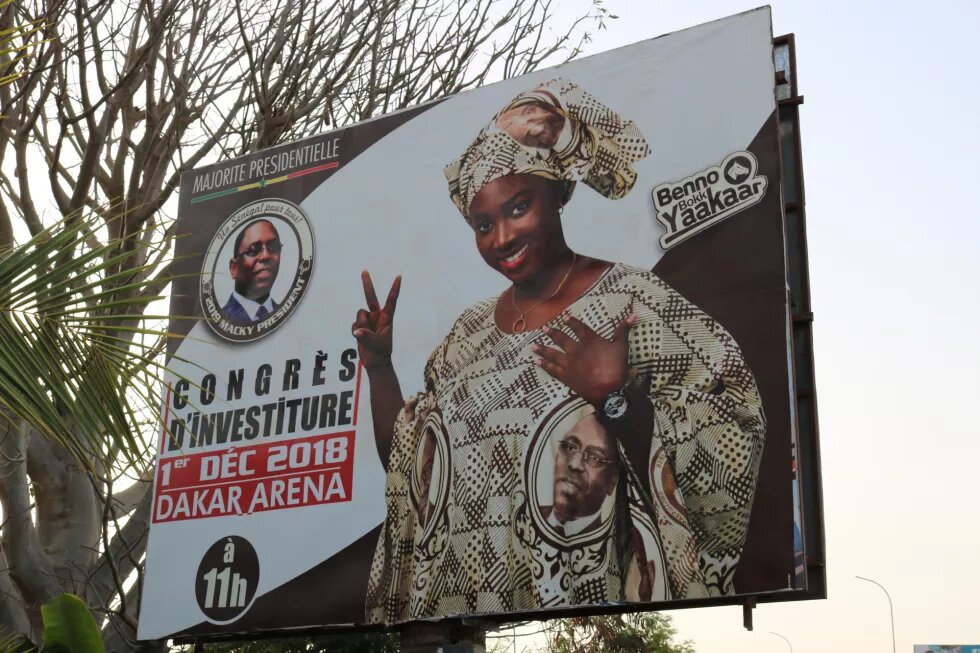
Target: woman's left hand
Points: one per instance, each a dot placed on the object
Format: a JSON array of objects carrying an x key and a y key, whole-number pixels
[{"x": 590, "y": 365}]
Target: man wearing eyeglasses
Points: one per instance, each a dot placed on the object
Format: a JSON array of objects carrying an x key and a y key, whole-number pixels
[
  {"x": 254, "y": 266},
  {"x": 586, "y": 472}
]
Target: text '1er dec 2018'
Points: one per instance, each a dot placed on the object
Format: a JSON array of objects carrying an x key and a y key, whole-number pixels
[{"x": 289, "y": 452}]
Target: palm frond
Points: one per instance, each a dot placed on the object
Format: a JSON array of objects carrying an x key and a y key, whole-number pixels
[
  {"x": 17, "y": 40},
  {"x": 71, "y": 364}
]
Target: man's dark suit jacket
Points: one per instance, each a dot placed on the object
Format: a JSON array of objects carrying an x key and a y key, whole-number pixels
[{"x": 236, "y": 313}]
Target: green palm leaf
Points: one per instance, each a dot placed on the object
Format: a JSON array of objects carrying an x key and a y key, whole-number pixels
[
  {"x": 17, "y": 40},
  {"x": 77, "y": 358}
]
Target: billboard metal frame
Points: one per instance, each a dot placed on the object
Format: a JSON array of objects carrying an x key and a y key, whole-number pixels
[{"x": 798, "y": 272}]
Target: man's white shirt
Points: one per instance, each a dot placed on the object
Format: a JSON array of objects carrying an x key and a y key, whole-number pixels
[
  {"x": 252, "y": 307},
  {"x": 573, "y": 526}
]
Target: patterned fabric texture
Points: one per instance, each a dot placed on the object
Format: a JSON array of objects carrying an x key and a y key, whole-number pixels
[
  {"x": 557, "y": 131},
  {"x": 469, "y": 480}
]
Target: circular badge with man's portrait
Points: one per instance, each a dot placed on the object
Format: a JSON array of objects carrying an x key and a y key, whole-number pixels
[
  {"x": 430, "y": 482},
  {"x": 571, "y": 472},
  {"x": 256, "y": 269}
]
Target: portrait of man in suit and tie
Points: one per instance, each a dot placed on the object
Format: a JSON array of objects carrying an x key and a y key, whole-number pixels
[
  {"x": 254, "y": 266},
  {"x": 585, "y": 476},
  {"x": 256, "y": 269}
]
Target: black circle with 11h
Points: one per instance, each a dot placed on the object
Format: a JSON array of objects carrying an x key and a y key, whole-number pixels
[{"x": 227, "y": 579}]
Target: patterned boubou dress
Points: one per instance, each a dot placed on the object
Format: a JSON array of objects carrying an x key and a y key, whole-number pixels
[{"x": 469, "y": 483}]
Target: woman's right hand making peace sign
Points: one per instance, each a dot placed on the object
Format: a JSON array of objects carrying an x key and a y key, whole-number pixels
[{"x": 373, "y": 327}]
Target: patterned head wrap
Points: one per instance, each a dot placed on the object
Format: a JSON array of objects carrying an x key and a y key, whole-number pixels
[{"x": 556, "y": 131}]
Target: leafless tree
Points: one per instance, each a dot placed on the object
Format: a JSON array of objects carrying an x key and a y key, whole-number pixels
[{"x": 118, "y": 99}]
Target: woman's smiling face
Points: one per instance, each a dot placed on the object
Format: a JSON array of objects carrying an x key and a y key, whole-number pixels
[{"x": 517, "y": 227}]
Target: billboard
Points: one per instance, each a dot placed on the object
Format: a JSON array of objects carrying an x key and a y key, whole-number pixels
[{"x": 521, "y": 351}]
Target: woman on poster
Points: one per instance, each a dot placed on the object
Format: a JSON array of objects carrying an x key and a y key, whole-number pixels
[{"x": 588, "y": 436}]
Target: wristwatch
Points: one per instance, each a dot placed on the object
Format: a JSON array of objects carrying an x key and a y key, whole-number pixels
[{"x": 615, "y": 405}]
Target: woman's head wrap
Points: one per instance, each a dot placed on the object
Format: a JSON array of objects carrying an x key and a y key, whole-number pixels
[{"x": 556, "y": 131}]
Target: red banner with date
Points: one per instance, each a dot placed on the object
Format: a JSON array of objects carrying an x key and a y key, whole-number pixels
[{"x": 249, "y": 479}]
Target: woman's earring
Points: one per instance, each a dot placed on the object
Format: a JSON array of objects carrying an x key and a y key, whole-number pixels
[{"x": 561, "y": 209}]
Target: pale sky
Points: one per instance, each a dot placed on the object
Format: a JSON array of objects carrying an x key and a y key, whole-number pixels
[{"x": 891, "y": 138}]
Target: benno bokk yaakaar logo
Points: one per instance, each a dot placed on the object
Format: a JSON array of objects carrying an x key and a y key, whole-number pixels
[{"x": 693, "y": 204}]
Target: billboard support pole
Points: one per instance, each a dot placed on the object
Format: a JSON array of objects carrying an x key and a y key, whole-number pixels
[
  {"x": 747, "y": 608},
  {"x": 444, "y": 637}
]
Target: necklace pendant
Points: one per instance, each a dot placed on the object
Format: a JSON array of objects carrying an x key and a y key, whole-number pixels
[{"x": 520, "y": 324}]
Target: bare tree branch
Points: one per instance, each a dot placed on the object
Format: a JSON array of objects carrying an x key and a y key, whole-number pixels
[
  {"x": 120, "y": 98},
  {"x": 29, "y": 567},
  {"x": 13, "y": 613},
  {"x": 122, "y": 554}
]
